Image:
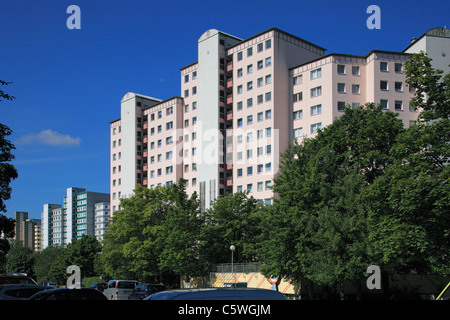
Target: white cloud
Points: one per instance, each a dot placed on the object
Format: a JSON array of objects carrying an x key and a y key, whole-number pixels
[{"x": 49, "y": 137}]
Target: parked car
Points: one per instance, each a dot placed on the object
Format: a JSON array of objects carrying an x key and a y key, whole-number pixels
[
  {"x": 54, "y": 285},
  {"x": 69, "y": 294},
  {"x": 100, "y": 286},
  {"x": 16, "y": 278},
  {"x": 20, "y": 291},
  {"x": 217, "y": 294},
  {"x": 143, "y": 290},
  {"x": 119, "y": 289}
]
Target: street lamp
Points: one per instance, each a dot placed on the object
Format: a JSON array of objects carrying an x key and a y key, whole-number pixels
[{"x": 232, "y": 248}]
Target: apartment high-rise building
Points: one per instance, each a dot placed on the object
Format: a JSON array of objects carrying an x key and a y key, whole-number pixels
[
  {"x": 241, "y": 104},
  {"x": 75, "y": 218}
]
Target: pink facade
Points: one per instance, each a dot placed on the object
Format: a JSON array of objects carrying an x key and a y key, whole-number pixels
[
  {"x": 271, "y": 88},
  {"x": 323, "y": 87}
]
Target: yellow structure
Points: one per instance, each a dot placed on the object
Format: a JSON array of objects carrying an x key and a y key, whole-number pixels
[{"x": 252, "y": 280}]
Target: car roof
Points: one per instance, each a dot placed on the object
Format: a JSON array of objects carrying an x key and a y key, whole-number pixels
[{"x": 218, "y": 294}]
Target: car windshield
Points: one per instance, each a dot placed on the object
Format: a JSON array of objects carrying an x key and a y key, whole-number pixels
[{"x": 126, "y": 285}]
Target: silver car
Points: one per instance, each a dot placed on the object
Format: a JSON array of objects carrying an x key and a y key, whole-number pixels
[{"x": 119, "y": 289}]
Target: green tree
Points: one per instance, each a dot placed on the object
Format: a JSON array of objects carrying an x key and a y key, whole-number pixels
[
  {"x": 21, "y": 259},
  {"x": 82, "y": 253},
  {"x": 43, "y": 260},
  {"x": 179, "y": 235},
  {"x": 7, "y": 173},
  {"x": 410, "y": 212},
  {"x": 231, "y": 220},
  {"x": 317, "y": 228}
]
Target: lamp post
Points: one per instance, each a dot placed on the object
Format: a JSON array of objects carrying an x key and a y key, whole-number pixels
[{"x": 232, "y": 248}]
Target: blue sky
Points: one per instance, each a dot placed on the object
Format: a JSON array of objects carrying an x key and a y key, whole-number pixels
[{"x": 68, "y": 83}]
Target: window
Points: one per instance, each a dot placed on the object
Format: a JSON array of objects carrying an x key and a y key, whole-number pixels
[
  {"x": 260, "y": 99},
  {"x": 239, "y": 172},
  {"x": 269, "y": 79},
  {"x": 317, "y": 109},
  {"x": 194, "y": 75},
  {"x": 298, "y": 79},
  {"x": 260, "y": 47},
  {"x": 315, "y": 92},
  {"x": 194, "y": 105},
  {"x": 268, "y": 96},
  {"x": 260, "y": 168},
  {"x": 260, "y": 116},
  {"x": 399, "y": 86},
  {"x": 239, "y": 105},
  {"x": 268, "y": 44},
  {"x": 355, "y": 70},
  {"x": 169, "y": 110},
  {"x": 169, "y": 140},
  {"x": 355, "y": 88},
  {"x": 239, "y": 138},
  {"x": 398, "y": 68},
  {"x": 239, "y": 188},
  {"x": 249, "y": 136},
  {"x": 341, "y": 87},
  {"x": 186, "y": 78},
  {"x": 268, "y": 184},
  {"x": 383, "y": 66},
  {"x": 268, "y": 132},
  {"x": 298, "y": 114},
  {"x": 355, "y": 105},
  {"x": 269, "y": 149},
  {"x": 249, "y": 153},
  {"x": 194, "y": 90},
  {"x": 260, "y": 64},
  {"x": 239, "y": 89},
  {"x": 249, "y": 119},
  {"x": 249, "y": 69},
  {"x": 250, "y": 52},
  {"x": 169, "y": 125},
  {"x": 239, "y": 73},
  {"x": 239, "y": 156},
  {"x": 239, "y": 56},
  {"x": 268, "y": 114},
  {"x": 268, "y": 167},
  {"x": 259, "y": 151},
  {"x": 249, "y": 187},
  {"x": 383, "y": 85},
  {"x": 168, "y": 155},
  {"x": 298, "y": 132},
  {"x": 249, "y": 171},
  {"x": 250, "y": 85},
  {"x": 169, "y": 170},
  {"x": 268, "y": 61},
  {"x": 315, "y": 127},
  {"x": 260, "y": 186},
  {"x": 316, "y": 73},
  {"x": 341, "y": 69},
  {"x": 398, "y": 105},
  {"x": 239, "y": 122},
  {"x": 297, "y": 97},
  {"x": 384, "y": 104},
  {"x": 249, "y": 102},
  {"x": 260, "y": 82},
  {"x": 260, "y": 134},
  {"x": 194, "y": 121},
  {"x": 186, "y": 94}
]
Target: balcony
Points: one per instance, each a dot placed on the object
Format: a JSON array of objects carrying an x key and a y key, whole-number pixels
[
  {"x": 229, "y": 115},
  {"x": 229, "y": 182},
  {"x": 229, "y": 166},
  {"x": 229, "y": 99},
  {"x": 230, "y": 66},
  {"x": 229, "y": 83}
]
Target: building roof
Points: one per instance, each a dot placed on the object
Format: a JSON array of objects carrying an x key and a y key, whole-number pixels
[
  {"x": 281, "y": 31},
  {"x": 351, "y": 55},
  {"x": 434, "y": 32}
]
